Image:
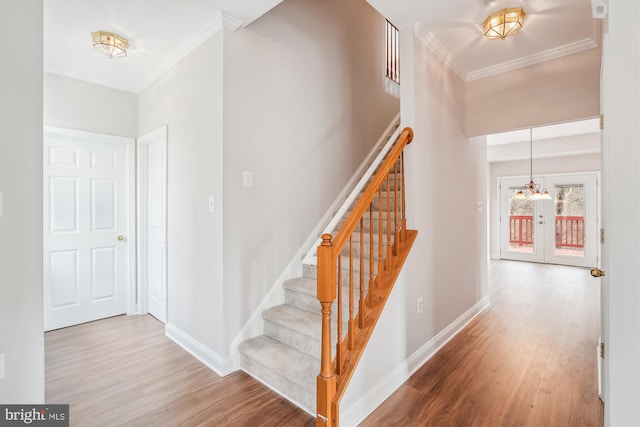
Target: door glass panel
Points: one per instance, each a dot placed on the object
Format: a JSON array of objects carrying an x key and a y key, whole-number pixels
[
  {"x": 521, "y": 225},
  {"x": 569, "y": 220}
]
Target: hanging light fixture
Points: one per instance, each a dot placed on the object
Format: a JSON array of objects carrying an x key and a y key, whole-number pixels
[
  {"x": 112, "y": 45},
  {"x": 534, "y": 189},
  {"x": 503, "y": 24}
]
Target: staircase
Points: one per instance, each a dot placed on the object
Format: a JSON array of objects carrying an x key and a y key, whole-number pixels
[{"x": 288, "y": 356}]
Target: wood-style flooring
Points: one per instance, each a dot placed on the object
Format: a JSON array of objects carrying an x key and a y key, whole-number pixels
[{"x": 528, "y": 360}]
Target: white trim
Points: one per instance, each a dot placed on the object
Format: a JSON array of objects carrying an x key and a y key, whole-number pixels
[
  {"x": 351, "y": 191},
  {"x": 255, "y": 325},
  {"x": 494, "y": 255},
  {"x": 220, "y": 21},
  {"x": 547, "y": 55},
  {"x": 218, "y": 364},
  {"x": 358, "y": 411},
  {"x": 141, "y": 205},
  {"x": 438, "y": 49},
  {"x": 432, "y": 43}
]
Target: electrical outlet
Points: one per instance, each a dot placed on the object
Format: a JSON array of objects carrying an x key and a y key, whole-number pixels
[
  {"x": 419, "y": 305},
  {"x": 1, "y": 366}
]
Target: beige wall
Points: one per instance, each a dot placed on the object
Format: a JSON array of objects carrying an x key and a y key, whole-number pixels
[
  {"x": 21, "y": 303},
  {"x": 76, "y": 104},
  {"x": 446, "y": 177},
  {"x": 304, "y": 102},
  {"x": 556, "y": 91}
]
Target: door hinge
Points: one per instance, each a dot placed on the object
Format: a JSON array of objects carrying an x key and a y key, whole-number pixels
[
  {"x": 602, "y": 236},
  {"x": 602, "y": 350},
  {"x": 601, "y": 121}
]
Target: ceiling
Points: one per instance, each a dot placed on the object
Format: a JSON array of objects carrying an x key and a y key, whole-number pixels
[{"x": 161, "y": 32}]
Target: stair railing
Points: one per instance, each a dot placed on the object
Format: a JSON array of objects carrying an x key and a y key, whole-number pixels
[{"x": 372, "y": 244}]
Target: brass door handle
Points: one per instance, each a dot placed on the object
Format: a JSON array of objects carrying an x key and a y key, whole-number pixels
[
  {"x": 121, "y": 238},
  {"x": 596, "y": 272}
]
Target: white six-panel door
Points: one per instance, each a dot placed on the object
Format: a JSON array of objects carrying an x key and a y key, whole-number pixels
[{"x": 87, "y": 242}]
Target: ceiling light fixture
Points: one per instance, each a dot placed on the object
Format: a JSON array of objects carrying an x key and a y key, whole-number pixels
[
  {"x": 503, "y": 24},
  {"x": 531, "y": 187},
  {"x": 112, "y": 45}
]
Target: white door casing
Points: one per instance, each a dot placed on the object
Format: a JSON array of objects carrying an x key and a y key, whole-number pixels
[
  {"x": 152, "y": 225},
  {"x": 534, "y": 253},
  {"x": 88, "y": 240},
  {"x": 540, "y": 233}
]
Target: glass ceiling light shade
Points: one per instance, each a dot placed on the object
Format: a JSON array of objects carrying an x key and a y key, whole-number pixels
[
  {"x": 503, "y": 24},
  {"x": 112, "y": 45},
  {"x": 532, "y": 188}
]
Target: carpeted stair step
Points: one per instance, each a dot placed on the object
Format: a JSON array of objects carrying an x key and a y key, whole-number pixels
[
  {"x": 301, "y": 293},
  {"x": 285, "y": 369},
  {"x": 294, "y": 327},
  {"x": 311, "y": 271}
]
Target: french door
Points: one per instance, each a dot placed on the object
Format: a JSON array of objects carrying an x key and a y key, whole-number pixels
[{"x": 563, "y": 230}]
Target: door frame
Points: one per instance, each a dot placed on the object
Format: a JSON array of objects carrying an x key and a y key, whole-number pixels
[
  {"x": 538, "y": 207},
  {"x": 130, "y": 149},
  {"x": 142, "y": 209}
]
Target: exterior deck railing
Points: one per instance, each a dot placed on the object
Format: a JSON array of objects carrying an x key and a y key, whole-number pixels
[{"x": 570, "y": 232}]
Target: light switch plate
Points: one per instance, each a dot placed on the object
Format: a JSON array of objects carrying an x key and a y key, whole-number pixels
[{"x": 247, "y": 179}]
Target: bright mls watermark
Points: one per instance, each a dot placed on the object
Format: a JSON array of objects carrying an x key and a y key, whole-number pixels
[{"x": 34, "y": 415}]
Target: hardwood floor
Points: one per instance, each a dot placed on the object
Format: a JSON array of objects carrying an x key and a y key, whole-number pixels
[
  {"x": 123, "y": 371},
  {"x": 529, "y": 360}
]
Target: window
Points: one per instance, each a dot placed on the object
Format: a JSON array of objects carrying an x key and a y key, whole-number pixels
[{"x": 392, "y": 53}]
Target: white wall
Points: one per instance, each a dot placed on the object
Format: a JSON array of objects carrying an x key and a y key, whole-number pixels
[
  {"x": 188, "y": 99},
  {"x": 555, "y": 91},
  {"x": 446, "y": 177},
  {"x": 21, "y": 312},
  {"x": 76, "y": 104},
  {"x": 541, "y": 166},
  {"x": 304, "y": 102},
  {"x": 621, "y": 214}
]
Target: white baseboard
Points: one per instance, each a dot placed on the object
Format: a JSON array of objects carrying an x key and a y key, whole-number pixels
[
  {"x": 218, "y": 364},
  {"x": 358, "y": 411}
]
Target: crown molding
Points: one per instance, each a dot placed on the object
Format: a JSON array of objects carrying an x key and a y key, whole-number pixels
[
  {"x": 221, "y": 21},
  {"x": 432, "y": 43},
  {"x": 547, "y": 55}
]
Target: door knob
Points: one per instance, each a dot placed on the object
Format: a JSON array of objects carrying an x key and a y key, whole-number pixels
[
  {"x": 121, "y": 238},
  {"x": 596, "y": 272}
]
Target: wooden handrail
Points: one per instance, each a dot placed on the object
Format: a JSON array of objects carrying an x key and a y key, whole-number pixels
[{"x": 391, "y": 249}]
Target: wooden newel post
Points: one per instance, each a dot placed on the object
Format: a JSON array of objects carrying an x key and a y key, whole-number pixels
[{"x": 326, "y": 289}]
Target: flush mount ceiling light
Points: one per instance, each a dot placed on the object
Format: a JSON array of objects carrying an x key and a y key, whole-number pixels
[
  {"x": 112, "y": 45},
  {"x": 503, "y": 24}
]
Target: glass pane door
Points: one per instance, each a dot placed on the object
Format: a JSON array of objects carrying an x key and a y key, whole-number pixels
[
  {"x": 573, "y": 220},
  {"x": 521, "y": 233}
]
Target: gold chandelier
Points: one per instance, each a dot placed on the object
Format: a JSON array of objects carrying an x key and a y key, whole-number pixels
[
  {"x": 503, "y": 24},
  {"x": 112, "y": 45},
  {"x": 532, "y": 188}
]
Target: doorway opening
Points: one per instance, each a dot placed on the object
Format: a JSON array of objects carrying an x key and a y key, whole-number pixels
[{"x": 563, "y": 230}]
